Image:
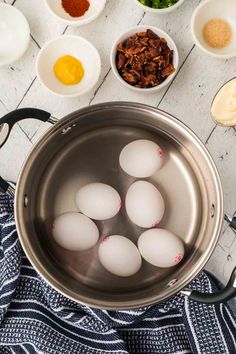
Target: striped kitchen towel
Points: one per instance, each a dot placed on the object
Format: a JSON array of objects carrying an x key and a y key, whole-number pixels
[{"x": 34, "y": 318}]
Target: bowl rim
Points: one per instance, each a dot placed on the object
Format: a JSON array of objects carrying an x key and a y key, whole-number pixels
[
  {"x": 136, "y": 29},
  {"x": 27, "y": 34},
  {"x": 79, "y": 21},
  {"x": 159, "y": 11},
  {"x": 197, "y": 42},
  {"x": 43, "y": 49}
]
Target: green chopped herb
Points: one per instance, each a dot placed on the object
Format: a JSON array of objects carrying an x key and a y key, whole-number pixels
[{"x": 158, "y": 4}]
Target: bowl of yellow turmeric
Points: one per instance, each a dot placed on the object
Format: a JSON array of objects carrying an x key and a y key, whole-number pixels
[{"x": 68, "y": 66}]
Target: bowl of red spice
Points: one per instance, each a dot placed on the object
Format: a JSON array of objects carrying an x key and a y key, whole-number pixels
[
  {"x": 213, "y": 28},
  {"x": 144, "y": 58},
  {"x": 76, "y": 12}
]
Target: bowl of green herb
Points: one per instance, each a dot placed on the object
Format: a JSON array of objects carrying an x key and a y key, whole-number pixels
[{"x": 159, "y": 6}]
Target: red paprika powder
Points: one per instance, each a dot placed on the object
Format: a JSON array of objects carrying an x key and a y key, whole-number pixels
[{"x": 75, "y": 8}]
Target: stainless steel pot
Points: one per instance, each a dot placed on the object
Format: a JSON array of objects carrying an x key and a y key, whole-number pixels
[{"x": 84, "y": 147}]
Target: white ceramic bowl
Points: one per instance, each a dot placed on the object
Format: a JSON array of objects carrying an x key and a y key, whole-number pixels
[
  {"x": 14, "y": 34},
  {"x": 131, "y": 32},
  {"x": 78, "y": 47},
  {"x": 210, "y": 9},
  {"x": 95, "y": 9},
  {"x": 159, "y": 11}
]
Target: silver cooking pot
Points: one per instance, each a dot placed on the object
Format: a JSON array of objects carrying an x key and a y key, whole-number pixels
[{"x": 84, "y": 147}]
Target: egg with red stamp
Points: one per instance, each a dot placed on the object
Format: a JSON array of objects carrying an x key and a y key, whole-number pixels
[
  {"x": 144, "y": 204},
  {"x": 98, "y": 201},
  {"x": 119, "y": 256},
  {"x": 141, "y": 158},
  {"x": 75, "y": 232},
  {"x": 161, "y": 248}
]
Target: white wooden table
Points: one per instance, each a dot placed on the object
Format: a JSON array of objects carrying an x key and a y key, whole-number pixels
[{"x": 188, "y": 97}]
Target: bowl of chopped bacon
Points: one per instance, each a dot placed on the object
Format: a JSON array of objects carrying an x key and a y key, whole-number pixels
[{"x": 144, "y": 58}]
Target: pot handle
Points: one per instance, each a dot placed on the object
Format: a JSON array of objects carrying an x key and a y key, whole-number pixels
[
  {"x": 6, "y": 124},
  {"x": 10, "y": 119},
  {"x": 231, "y": 221},
  {"x": 222, "y": 296}
]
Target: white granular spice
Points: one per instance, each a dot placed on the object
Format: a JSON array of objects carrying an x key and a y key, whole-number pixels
[{"x": 217, "y": 33}]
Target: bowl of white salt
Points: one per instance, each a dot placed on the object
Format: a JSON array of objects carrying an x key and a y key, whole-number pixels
[{"x": 14, "y": 34}]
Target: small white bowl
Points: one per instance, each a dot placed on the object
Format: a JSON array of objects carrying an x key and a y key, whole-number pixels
[
  {"x": 131, "y": 32},
  {"x": 95, "y": 9},
  {"x": 210, "y": 9},
  {"x": 14, "y": 34},
  {"x": 78, "y": 47},
  {"x": 159, "y": 11}
]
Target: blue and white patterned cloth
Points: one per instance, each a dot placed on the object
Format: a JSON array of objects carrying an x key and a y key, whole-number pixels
[{"x": 34, "y": 318}]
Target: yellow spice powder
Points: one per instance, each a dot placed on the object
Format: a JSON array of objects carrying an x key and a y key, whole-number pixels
[{"x": 217, "y": 33}]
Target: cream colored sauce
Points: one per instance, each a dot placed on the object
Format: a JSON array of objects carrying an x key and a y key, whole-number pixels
[{"x": 223, "y": 109}]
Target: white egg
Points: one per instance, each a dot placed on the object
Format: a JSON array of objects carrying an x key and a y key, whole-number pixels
[
  {"x": 98, "y": 201},
  {"x": 144, "y": 204},
  {"x": 119, "y": 256},
  {"x": 141, "y": 158},
  {"x": 75, "y": 232},
  {"x": 161, "y": 248}
]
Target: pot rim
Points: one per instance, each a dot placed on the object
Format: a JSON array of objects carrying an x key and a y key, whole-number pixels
[{"x": 169, "y": 291}]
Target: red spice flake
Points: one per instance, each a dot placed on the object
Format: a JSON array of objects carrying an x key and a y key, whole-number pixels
[
  {"x": 144, "y": 60},
  {"x": 106, "y": 238},
  {"x": 160, "y": 152},
  {"x": 75, "y": 8},
  {"x": 155, "y": 224},
  {"x": 178, "y": 258}
]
